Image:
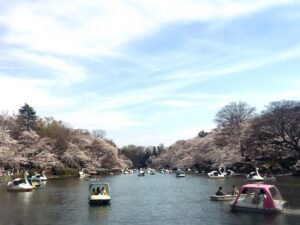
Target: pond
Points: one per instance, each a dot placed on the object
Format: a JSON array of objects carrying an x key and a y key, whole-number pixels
[{"x": 152, "y": 199}]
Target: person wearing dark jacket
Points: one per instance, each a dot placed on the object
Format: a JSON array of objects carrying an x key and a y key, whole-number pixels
[{"x": 220, "y": 192}]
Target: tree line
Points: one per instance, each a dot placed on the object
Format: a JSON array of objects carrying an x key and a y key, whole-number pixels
[
  {"x": 273, "y": 133},
  {"x": 48, "y": 127},
  {"x": 140, "y": 156},
  {"x": 270, "y": 134},
  {"x": 63, "y": 134}
]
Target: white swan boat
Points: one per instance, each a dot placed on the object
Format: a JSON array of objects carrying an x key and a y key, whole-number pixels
[
  {"x": 81, "y": 174},
  {"x": 141, "y": 173},
  {"x": 99, "y": 193},
  {"x": 255, "y": 176},
  {"x": 216, "y": 174},
  {"x": 19, "y": 184},
  {"x": 229, "y": 173},
  {"x": 39, "y": 177},
  {"x": 180, "y": 174}
]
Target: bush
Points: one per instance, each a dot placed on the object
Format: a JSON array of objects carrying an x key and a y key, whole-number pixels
[{"x": 68, "y": 172}]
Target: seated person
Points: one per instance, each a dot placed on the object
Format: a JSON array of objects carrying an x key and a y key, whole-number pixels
[
  {"x": 98, "y": 191},
  {"x": 94, "y": 191},
  {"x": 103, "y": 191},
  {"x": 220, "y": 192},
  {"x": 235, "y": 191},
  {"x": 259, "y": 197}
]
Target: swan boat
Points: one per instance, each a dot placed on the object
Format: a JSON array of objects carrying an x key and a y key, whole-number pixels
[
  {"x": 255, "y": 176},
  {"x": 141, "y": 173},
  {"x": 81, "y": 174},
  {"x": 229, "y": 173},
  {"x": 19, "y": 184},
  {"x": 180, "y": 174},
  {"x": 39, "y": 177},
  {"x": 216, "y": 174},
  {"x": 99, "y": 197},
  {"x": 259, "y": 198}
]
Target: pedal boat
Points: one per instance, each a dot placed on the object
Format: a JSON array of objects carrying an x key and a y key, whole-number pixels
[
  {"x": 222, "y": 197},
  {"x": 255, "y": 176},
  {"x": 39, "y": 177},
  {"x": 99, "y": 198},
  {"x": 248, "y": 200},
  {"x": 216, "y": 174},
  {"x": 19, "y": 185},
  {"x": 180, "y": 174}
]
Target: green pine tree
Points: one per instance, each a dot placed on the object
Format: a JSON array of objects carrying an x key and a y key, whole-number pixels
[{"x": 26, "y": 117}]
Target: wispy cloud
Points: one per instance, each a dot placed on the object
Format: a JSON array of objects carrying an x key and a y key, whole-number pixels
[
  {"x": 59, "y": 68},
  {"x": 253, "y": 61},
  {"x": 76, "y": 27}
]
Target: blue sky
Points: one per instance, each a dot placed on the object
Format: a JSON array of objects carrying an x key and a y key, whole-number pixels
[{"x": 147, "y": 72}]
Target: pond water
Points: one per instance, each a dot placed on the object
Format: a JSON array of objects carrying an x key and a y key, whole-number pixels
[{"x": 158, "y": 199}]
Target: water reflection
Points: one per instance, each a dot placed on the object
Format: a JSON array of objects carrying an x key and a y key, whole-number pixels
[{"x": 99, "y": 213}]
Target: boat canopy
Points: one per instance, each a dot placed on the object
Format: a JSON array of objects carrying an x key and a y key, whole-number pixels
[
  {"x": 275, "y": 193},
  {"x": 99, "y": 184}
]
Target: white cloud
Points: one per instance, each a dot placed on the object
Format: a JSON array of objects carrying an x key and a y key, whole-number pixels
[
  {"x": 93, "y": 119},
  {"x": 242, "y": 8},
  {"x": 14, "y": 92},
  {"x": 89, "y": 28}
]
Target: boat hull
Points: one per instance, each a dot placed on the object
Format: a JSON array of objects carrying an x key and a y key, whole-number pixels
[
  {"x": 255, "y": 209},
  {"x": 216, "y": 177},
  {"x": 180, "y": 175},
  {"x": 99, "y": 200},
  {"x": 19, "y": 189},
  {"x": 222, "y": 197}
]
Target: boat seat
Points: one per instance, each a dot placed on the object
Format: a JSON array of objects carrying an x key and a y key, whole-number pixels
[{"x": 248, "y": 199}]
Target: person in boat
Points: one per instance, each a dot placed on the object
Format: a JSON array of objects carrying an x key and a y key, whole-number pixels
[
  {"x": 258, "y": 197},
  {"x": 235, "y": 191},
  {"x": 94, "y": 191},
  {"x": 220, "y": 192},
  {"x": 98, "y": 191},
  {"x": 103, "y": 191},
  {"x": 261, "y": 195}
]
